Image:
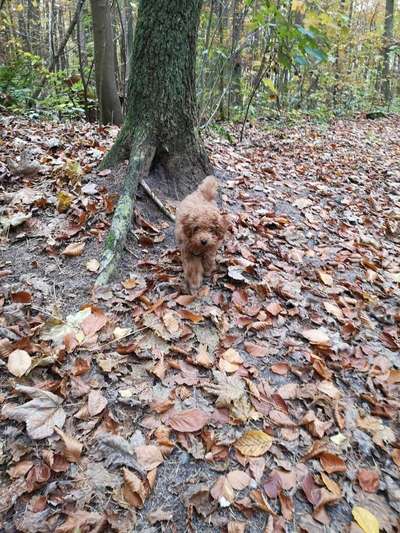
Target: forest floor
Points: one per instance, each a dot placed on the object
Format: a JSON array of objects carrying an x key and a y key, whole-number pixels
[{"x": 269, "y": 402}]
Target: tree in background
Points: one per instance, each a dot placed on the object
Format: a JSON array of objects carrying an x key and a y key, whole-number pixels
[
  {"x": 104, "y": 59},
  {"x": 387, "y": 43},
  {"x": 159, "y": 128}
]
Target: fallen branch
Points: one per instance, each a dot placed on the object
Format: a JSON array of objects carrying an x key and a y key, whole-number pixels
[
  {"x": 156, "y": 200},
  {"x": 140, "y": 160}
]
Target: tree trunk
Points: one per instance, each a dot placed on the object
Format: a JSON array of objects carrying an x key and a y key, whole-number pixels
[
  {"x": 159, "y": 128},
  {"x": 387, "y": 41},
  {"x": 106, "y": 87},
  {"x": 237, "y": 28}
]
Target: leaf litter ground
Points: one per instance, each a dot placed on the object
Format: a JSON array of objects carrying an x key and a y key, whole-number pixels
[{"x": 269, "y": 402}]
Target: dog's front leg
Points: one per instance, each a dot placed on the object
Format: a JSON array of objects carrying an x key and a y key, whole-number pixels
[
  {"x": 209, "y": 264},
  {"x": 193, "y": 270}
]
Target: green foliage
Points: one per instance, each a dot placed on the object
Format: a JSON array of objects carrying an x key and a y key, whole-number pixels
[{"x": 18, "y": 78}]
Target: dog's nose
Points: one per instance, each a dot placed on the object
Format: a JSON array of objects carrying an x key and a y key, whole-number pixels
[{"x": 203, "y": 242}]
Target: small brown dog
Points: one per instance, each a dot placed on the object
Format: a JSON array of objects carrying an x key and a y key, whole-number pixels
[{"x": 199, "y": 232}]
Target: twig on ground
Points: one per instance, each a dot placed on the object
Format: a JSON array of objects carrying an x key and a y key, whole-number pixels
[{"x": 156, "y": 200}]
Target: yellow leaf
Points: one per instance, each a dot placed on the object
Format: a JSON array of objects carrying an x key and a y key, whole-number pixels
[
  {"x": 64, "y": 201},
  {"x": 254, "y": 443},
  {"x": 366, "y": 520},
  {"x": 19, "y": 8}
]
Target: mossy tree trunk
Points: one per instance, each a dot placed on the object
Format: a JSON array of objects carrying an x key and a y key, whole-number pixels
[{"x": 160, "y": 124}]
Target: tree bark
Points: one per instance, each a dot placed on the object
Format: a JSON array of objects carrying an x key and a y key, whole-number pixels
[
  {"x": 387, "y": 41},
  {"x": 104, "y": 58},
  {"x": 235, "y": 93},
  {"x": 161, "y": 107}
]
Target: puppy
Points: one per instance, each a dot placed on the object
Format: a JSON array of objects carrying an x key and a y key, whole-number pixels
[{"x": 199, "y": 232}]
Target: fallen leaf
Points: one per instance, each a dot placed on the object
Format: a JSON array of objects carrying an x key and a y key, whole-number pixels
[
  {"x": 20, "y": 469},
  {"x": 149, "y": 456},
  {"x": 96, "y": 402},
  {"x": 222, "y": 491},
  {"x": 366, "y": 520},
  {"x": 368, "y": 479},
  {"x": 325, "y": 278},
  {"x": 331, "y": 485},
  {"x": 64, "y": 201},
  {"x": 396, "y": 456},
  {"x": 332, "y": 463},
  {"x": 74, "y": 249},
  {"x": 334, "y": 310},
  {"x": 92, "y": 265},
  {"x": 274, "y": 308},
  {"x": 21, "y": 297},
  {"x": 189, "y": 420},
  {"x": 133, "y": 489},
  {"x": 280, "y": 369},
  {"x": 40, "y": 414},
  {"x": 254, "y": 443},
  {"x": 159, "y": 515},
  {"x": 317, "y": 337},
  {"x": 73, "y": 448},
  {"x": 189, "y": 315},
  {"x": 37, "y": 476},
  {"x": 239, "y": 480},
  {"x": 256, "y": 350},
  {"x": 19, "y": 362}
]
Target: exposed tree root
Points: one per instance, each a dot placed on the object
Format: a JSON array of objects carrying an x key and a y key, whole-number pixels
[{"x": 141, "y": 157}]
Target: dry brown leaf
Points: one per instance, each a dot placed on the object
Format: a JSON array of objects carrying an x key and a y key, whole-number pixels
[
  {"x": 20, "y": 469},
  {"x": 19, "y": 362},
  {"x": 92, "y": 265},
  {"x": 222, "y": 491},
  {"x": 74, "y": 249},
  {"x": 396, "y": 456},
  {"x": 274, "y": 308},
  {"x": 149, "y": 456},
  {"x": 202, "y": 358},
  {"x": 318, "y": 337},
  {"x": 96, "y": 402},
  {"x": 332, "y": 463},
  {"x": 334, "y": 310},
  {"x": 189, "y": 315},
  {"x": 368, "y": 479},
  {"x": 133, "y": 489},
  {"x": 236, "y": 527},
  {"x": 281, "y": 419},
  {"x": 254, "y": 443},
  {"x": 238, "y": 479},
  {"x": 185, "y": 299},
  {"x": 256, "y": 350},
  {"x": 73, "y": 448},
  {"x": 325, "y": 278},
  {"x": 188, "y": 420},
  {"x": 40, "y": 414},
  {"x": 280, "y": 368},
  {"x": 331, "y": 485}
]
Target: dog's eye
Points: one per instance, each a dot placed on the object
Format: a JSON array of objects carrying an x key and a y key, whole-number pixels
[{"x": 196, "y": 229}]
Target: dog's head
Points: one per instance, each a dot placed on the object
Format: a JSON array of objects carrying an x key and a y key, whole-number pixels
[{"x": 204, "y": 231}]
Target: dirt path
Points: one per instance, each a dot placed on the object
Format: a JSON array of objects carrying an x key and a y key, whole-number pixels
[{"x": 268, "y": 403}]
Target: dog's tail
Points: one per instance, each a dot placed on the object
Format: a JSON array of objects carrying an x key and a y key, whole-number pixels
[{"x": 208, "y": 188}]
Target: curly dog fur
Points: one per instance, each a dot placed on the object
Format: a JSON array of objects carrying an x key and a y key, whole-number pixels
[{"x": 200, "y": 230}]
